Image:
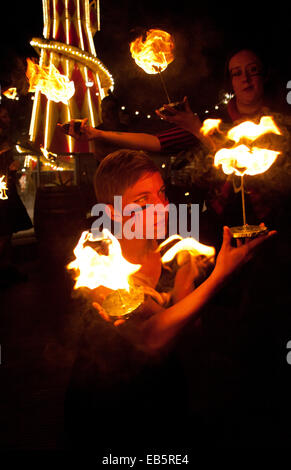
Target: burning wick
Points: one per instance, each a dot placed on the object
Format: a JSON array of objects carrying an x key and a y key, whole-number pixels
[
  {"x": 245, "y": 159},
  {"x": 154, "y": 53}
]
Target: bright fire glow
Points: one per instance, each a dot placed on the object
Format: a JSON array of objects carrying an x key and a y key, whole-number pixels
[
  {"x": 252, "y": 131},
  {"x": 210, "y": 125},
  {"x": 244, "y": 161},
  {"x": 11, "y": 93},
  {"x": 247, "y": 159},
  {"x": 155, "y": 52},
  {"x": 94, "y": 269},
  {"x": 185, "y": 244},
  {"x": 3, "y": 188},
  {"x": 55, "y": 86}
]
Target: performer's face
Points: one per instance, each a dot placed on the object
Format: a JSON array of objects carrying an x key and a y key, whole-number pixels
[
  {"x": 148, "y": 190},
  {"x": 246, "y": 75}
]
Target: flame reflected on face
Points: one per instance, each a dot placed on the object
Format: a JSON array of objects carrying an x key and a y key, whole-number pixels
[
  {"x": 154, "y": 53},
  {"x": 55, "y": 86}
]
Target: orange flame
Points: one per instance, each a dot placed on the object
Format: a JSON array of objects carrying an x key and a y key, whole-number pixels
[
  {"x": 210, "y": 125},
  {"x": 252, "y": 131},
  {"x": 11, "y": 93},
  {"x": 155, "y": 52},
  {"x": 248, "y": 159},
  {"x": 3, "y": 188},
  {"x": 55, "y": 86},
  {"x": 94, "y": 269},
  {"x": 189, "y": 245}
]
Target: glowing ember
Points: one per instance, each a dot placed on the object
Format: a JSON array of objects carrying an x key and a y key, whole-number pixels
[
  {"x": 11, "y": 93},
  {"x": 155, "y": 52},
  {"x": 3, "y": 188},
  {"x": 55, "y": 86},
  {"x": 189, "y": 245}
]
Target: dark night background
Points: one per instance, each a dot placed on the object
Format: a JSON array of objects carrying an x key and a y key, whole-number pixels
[
  {"x": 36, "y": 338},
  {"x": 203, "y": 33}
]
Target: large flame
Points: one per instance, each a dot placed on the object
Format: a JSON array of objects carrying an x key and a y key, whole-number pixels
[
  {"x": 242, "y": 160},
  {"x": 252, "y": 131},
  {"x": 110, "y": 270},
  {"x": 55, "y": 86},
  {"x": 246, "y": 158},
  {"x": 155, "y": 52}
]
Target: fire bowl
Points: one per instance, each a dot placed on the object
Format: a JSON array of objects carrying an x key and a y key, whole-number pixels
[
  {"x": 247, "y": 231},
  {"x": 121, "y": 303}
]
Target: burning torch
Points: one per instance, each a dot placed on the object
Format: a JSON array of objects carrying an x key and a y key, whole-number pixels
[{"x": 153, "y": 54}]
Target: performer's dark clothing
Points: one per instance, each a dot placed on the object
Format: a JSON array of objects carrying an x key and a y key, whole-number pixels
[{"x": 13, "y": 214}]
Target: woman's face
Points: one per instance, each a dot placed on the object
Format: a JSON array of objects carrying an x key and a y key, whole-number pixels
[{"x": 245, "y": 70}]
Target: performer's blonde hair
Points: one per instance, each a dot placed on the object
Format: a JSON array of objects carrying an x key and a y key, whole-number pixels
[{"x": 118, "y": 171}]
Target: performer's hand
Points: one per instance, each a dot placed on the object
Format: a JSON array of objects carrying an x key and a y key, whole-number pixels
[
  {"x": 183, "y": 118},
  {"x": 231, "y": 258},
  {"x": 105, "y": 316},
  {"x": 83, "y": 132}
]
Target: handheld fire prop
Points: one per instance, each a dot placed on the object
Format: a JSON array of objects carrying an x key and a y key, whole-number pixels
[
  {"x": 245, "y": 157},
  {"x": 114, "y": 282},
  {"x": 3, "y": 188},
  {"x": 100, "y": 266},
  {"x": 154, "y": 53}
]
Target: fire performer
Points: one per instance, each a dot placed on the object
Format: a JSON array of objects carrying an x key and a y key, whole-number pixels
[
  {"x": 247, "y": 77},
  {"x": 149, "y": 401}
]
